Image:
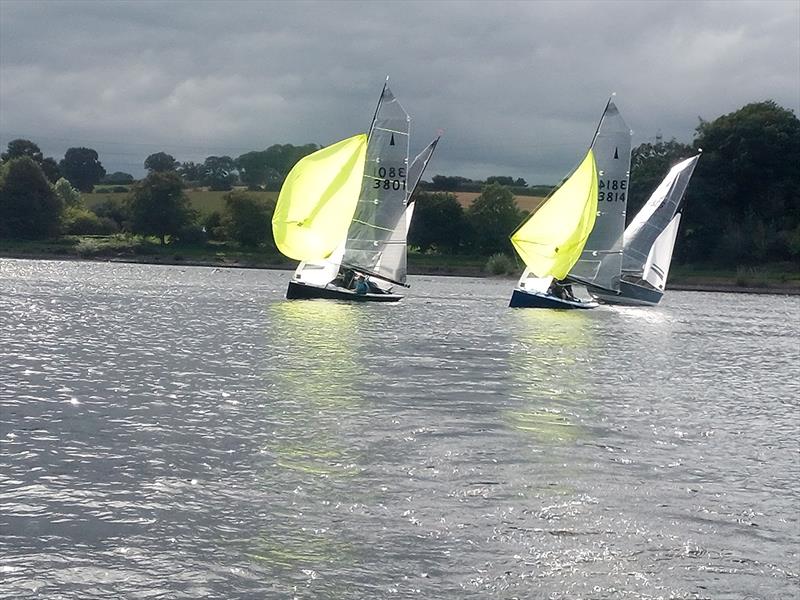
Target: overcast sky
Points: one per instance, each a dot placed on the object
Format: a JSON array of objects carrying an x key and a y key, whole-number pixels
[{"x": 517, "y": 87}]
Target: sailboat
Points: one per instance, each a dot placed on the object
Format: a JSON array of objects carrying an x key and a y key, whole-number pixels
[
  {"x": 345, "y": 211},
  {"x": 599, "y": 264},
  {"x": 649, "y": 240},
  {"x": 550, "y": 241}
]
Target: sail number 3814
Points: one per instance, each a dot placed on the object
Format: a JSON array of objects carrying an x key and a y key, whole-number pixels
[
  {"x": 611, "y": 190},
  {"x": 390, "y": 178}
]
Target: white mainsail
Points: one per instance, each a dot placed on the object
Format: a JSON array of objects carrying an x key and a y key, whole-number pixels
[{"x": 654, "y": 217}]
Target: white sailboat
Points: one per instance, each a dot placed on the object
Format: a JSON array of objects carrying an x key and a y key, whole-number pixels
[
  {"x": 373, "y": 243},
  {"x": 649, "y": 241}
]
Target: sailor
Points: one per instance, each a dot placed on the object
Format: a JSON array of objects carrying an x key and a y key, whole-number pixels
[
  {"x": 361, "y": 286},
  {"x": 348, "y": 278},
  {"x": 562, "y": 291}
]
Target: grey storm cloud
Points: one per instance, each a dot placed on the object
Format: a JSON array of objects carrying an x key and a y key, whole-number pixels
[{"x": 517, "y": 87}]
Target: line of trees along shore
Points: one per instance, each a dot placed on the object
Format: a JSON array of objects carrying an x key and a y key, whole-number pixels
[{"x": 742, "y": 206}]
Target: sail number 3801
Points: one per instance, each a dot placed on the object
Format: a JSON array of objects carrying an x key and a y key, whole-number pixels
[
  {"x": 390, "y": 178},
  {"x": 611, "y": 190}
]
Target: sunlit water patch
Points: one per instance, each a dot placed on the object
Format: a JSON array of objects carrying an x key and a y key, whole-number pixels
[{"x": 170, "y": 432}]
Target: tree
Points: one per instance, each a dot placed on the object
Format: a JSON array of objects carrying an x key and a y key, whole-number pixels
[
  {"x": 190, "y": 171},
  {"x": 439, "y": 222},
  {"x": 246, "y": 220},
  {"x": 253, "y": 169},
  {"x": 68, "y": 194},
  {"x": 19, "y": 148},
  {"x": 81, "y": 166},
  {"x": 493, "y": 216},
  {"x": 160, "y": 162},
  {"x": 29, "y": 208},
  {"x": 742, "y": 204},
  {"x": 447, "y": 183},
  {"x": 282, "y": 157},
  {"x": 159, "y": 207},
  {"x": 51, "y": 169},
  {"x": 117, "y": 210},
  {"x": 118, "y": 178},
  {"x": 217, "y": 173},
  {"x": 501, "y": 179}
]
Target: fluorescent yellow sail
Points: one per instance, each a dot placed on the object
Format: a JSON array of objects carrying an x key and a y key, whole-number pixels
[
  {"x": 552, "y": 239},
  {"x": 318, "y": 199}
]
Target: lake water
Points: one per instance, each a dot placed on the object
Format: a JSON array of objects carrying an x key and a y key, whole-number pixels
[{"x": 171, "y": 432}]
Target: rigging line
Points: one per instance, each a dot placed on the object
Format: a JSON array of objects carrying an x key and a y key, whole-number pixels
[
  {"x": 378, "y": 107},
  {"x": 599, "y": 123},
  {"x": 369, "y": 225}
]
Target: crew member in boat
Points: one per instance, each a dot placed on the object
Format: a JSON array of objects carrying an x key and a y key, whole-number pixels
[
  {"x": 362, "y": 287},
  {"x": 562, "y": 291}
]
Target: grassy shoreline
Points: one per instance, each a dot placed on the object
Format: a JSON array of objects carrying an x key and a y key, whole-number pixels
[{"x": 769, "y": 279}]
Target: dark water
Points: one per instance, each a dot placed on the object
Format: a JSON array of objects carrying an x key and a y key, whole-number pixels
[{"x": 174, "y": 432}]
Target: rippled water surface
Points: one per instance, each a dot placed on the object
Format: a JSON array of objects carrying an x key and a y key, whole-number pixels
[{"x": 170, "y": 432}]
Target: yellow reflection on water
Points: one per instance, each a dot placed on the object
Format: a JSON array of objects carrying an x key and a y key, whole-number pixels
[
  {"x": 319, "y": 363},
  {"x": 307, "y": 550},
  {"x": 549, "y": 365},
  {"x": 320, "y": 343}
]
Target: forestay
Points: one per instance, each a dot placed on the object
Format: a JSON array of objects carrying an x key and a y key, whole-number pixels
[
  {"x": 600, "y": 263},
  {"x": 382, "y": 201},
  {"x": 655, "y": 216}
]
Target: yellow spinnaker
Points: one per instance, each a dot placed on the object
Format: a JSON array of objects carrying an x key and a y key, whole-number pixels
[
  {"x": 552, "y": 239},
  {"x": 318, "y": 199}
]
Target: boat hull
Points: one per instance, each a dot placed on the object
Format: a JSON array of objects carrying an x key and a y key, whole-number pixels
[
  {"x": 630, "y": 294},
  {"x": 306, "y": 291},
  {"x": 522, "y": 299}
]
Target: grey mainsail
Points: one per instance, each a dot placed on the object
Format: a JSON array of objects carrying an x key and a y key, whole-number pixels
[
  {"x": 382, "y": 202},
  {"x": 601, "y": 261},
  {"x": 655, "y": 216},
  {"x": 393, "y": 258}
]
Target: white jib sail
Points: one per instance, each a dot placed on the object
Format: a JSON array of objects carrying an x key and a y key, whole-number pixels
[
  {"x": 529, "y": 282},
  {"x": 656, "y": 268},
  {"x": 320, "y": 272}
]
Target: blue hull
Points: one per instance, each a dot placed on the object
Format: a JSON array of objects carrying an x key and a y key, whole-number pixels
[
  {"x": 304, "y": 291},
  {"x": 520, "y": 299},
  {"x": 631, "y": 294}
]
